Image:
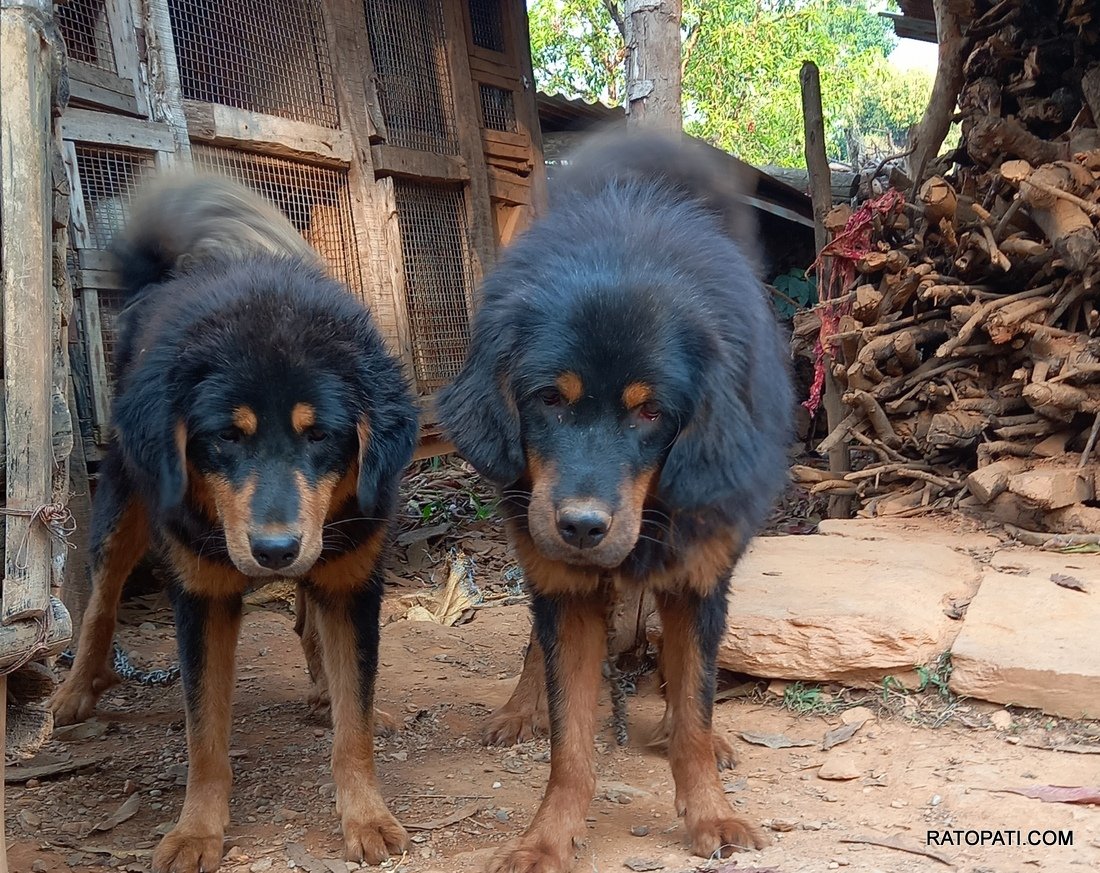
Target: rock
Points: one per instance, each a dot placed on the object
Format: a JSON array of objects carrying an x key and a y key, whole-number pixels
[
  {"x": 639, "y": 831},
  {"x": 1052, "y": 487},
  {"x": 840, "y": 767},
  {"x": 643, "y": 864},
  {"x": 1029, "y": 642},
  {"x": 261, "y": 866},
  {"x": 826, "y": 608},
  {"x": 857, "y": 715},
  {"x": 38, "y": 866},
  {"x": 29, "y": 820},
  {"x": 1001, "y": 720}
]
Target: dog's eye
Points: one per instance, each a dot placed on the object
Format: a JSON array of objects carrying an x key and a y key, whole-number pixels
[
  {"x": 649, "y": 411},
  {"x": 550, "y": 396},
  {"x": 316, "y": 435},
  {"x": 230, "y": 435}
]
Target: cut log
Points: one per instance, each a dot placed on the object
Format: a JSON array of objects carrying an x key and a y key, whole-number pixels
[
  {"x": 989, "y": 481},
  {"x": 1052, "y": 488}
]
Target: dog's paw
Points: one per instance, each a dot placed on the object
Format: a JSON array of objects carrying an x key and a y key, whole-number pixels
[
  {"x": 724, "y": 756},
  {"x": 373, "y": 840},
  {"x": 188, "y": 851},
  {"x": 723, "y": 752},
  {"x": 76, "y": 699},
  {"x": 722, "y": 833},
  {"x": 508, "y": 726},
  {"x": 385, "y": 725},
  {"x": 531, "y": 856}
]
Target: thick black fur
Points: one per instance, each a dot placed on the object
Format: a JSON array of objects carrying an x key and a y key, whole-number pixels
[{"x": 637, "y": 273}]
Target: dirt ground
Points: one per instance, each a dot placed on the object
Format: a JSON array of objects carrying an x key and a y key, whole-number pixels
[{"x": 922, "y": 763}]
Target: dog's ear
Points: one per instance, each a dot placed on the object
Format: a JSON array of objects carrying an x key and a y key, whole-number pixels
[
  {"x": 732, "y": 447},
  {"x": 478, "y": 411},
  {"x": 387, "y": 438},
  {"x": 153, "y": 441}
]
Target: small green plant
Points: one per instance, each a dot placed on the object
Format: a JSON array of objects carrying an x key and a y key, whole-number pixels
[
  {"x": 891, "y": 685},
  {"x": 794, "y": 291},
  {"x": 482, "y": 508},
  {"x": 803, "y": 699},
  {"x": 936, "y": 675}
]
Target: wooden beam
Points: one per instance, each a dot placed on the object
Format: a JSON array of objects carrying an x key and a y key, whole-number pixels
[
  {"x": 215, "y": 124},
  {"x": 103, "y": 97},
  {"x": 84, "y": 125},
  {"x": 422, "y": 166},
  {"x": 27, "y": 39}
]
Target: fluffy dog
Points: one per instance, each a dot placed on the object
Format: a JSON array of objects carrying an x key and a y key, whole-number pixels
[
  {"x": 260, "y": 431},
  {"x": 627, "y": 389}
]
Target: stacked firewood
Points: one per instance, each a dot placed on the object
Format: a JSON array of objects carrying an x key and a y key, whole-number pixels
[{"x": 960, "y": 320}]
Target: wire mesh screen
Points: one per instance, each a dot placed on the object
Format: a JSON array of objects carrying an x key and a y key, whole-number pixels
[
  {"x": 487, "y": 25},
  {"x": 107, "y": 181},
  {"x": 315, "y": 199},
  {"x": 87, "y": 32},
  {"x": 498, "y": 108},
  {"x": 409, "y": 49},
  {"x": 438, "y": 278},
  {"x": 267, "y": 56}
]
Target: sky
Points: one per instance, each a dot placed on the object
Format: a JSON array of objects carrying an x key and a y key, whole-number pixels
[{"x": 912, "y": 53}]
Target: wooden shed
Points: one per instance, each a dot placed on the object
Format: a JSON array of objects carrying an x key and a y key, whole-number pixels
[{"x": 398, "y": 135}]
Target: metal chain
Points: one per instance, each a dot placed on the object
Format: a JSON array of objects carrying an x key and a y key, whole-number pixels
[{"x": 160, "y": 677}]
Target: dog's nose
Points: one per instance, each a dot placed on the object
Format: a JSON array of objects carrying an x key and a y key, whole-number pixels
[
  {"x": 583, "y": 527},
  {"x": 275, "y": 552}
]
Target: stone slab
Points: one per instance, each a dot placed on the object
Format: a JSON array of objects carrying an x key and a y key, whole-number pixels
[
  {"x": 851, "y": 609},
  {"x": 1029, "y": 642}
]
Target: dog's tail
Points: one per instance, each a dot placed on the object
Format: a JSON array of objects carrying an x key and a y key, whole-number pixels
[
  {"x": 687, "y": 167},
  {"x": 180, "y": 220}
]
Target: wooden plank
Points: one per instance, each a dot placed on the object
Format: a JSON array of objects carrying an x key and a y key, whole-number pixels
[
  {"x": 125, "y": 44},
  {"x": 505, "y": 142},
  {"x": 509, "y": 187},
  {"x": 97, "y": 362},
  {"x": 527, "y": 113},
  {"x": 500, "y": 76},
  {"x": 85, "y": 125},
  {"x": 95, "y": 259},
  {"x": 467, "y": 113},
  {"x": 3, "y": 758},
  {"x": 164, "y": 94},
  {"x": 79, "y": 233},
  {"x": 105, "y": 98},
  {"x": 283, "y": 137},
  {"x": 372, "y": 219},
  {"x": 423, "y": 166},
  {"x": 26, "y": 190},
  {"x": 99, "y": 280}
]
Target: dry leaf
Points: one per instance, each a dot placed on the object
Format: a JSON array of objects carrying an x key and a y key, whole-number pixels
[
  {"x": 1058, "y": 793},
  {"x": 775, "y": 741},
  {"x": 839, "y": 735},
  {"x": 468, "y": 810},
  {"x": 125, "y": 812},
  {"x": 451, "y": 603},
  {"x": 1061, "y": 579}
]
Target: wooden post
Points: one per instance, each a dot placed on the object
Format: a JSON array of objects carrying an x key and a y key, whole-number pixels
[
  {"x": 817, "y": 163},
  {"x": 3, "y": 755},
  {"x": 651, "y": 29},
  {"x": 26, "y": 240}
]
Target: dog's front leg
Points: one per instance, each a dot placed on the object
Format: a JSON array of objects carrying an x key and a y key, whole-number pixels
[
  {"x": 572, "y": 633},
  {"x": 693, "y": 625},
  {"x": 206, "y": 632},
  {"x": 347, "y": 624}
]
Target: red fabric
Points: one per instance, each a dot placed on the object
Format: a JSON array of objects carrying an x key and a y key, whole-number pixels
[{"x": 836, "y": 276}]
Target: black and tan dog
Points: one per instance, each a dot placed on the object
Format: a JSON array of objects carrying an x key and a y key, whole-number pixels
[
  {"x": 627, "y": 388},
  {"x": 260, "y": 430}
]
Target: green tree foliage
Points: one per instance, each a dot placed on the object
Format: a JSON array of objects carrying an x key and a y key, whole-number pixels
[{"x": 741, "y": 64}]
